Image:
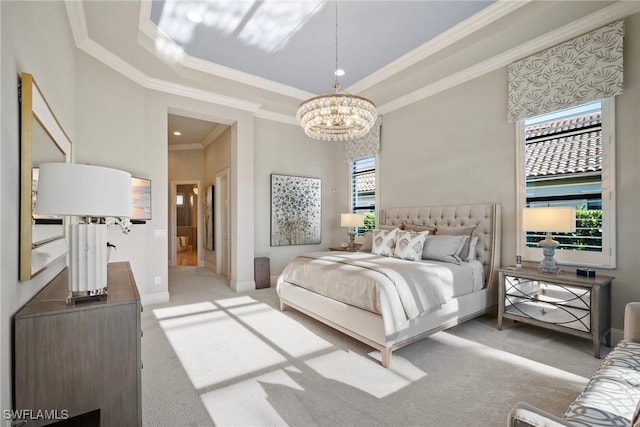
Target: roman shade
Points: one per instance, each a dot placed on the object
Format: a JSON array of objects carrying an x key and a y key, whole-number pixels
[
  {"x": 575, "y": 72},
  {"x": 366, "y": 146}
]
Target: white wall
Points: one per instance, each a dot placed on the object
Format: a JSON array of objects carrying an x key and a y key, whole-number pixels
[
  {"x": 285, "y": 149},
  {"x": 29, "y": 33},
  {"x": 457, "y": 147}
]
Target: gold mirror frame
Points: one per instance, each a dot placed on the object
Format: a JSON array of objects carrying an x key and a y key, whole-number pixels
[{"x": 41, "y": 139}]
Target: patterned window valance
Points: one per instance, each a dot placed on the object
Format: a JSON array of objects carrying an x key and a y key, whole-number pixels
[
  {"x": 581, "y": 70},
  {"x": 366, "y": 146}
]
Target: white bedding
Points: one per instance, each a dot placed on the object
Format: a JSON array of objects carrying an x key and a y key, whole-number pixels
[{"x": 398, "y": 289}]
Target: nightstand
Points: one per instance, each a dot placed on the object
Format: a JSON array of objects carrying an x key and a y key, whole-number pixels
[
  {"x": 562, "y": 302},
  {"x": 339, "y": 248}
]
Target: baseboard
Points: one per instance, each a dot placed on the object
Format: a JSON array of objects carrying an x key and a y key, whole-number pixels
[
  {"x": 210, "y": 266},
  {"x": 245, "y": 286},
  {"x": 154, "y": 298}
]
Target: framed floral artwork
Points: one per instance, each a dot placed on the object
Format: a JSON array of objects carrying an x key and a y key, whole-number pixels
[{"x": 295, "y": 210}]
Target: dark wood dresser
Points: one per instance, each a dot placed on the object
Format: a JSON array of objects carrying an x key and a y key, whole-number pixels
[{"x": 74, "y": 359}]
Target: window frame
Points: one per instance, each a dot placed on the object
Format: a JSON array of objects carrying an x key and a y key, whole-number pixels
[{"x": 605, "y": 259}]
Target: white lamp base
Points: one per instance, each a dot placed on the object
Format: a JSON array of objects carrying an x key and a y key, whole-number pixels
[{"x": 87, "y": 262}]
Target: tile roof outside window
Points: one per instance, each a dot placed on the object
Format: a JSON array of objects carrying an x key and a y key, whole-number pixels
[
  {"x": 561, "y": 147},
  {"x": 367, "y": 182}
]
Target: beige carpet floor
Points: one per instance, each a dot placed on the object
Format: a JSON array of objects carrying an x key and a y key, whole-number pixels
[{"x": 215, "y": 357}]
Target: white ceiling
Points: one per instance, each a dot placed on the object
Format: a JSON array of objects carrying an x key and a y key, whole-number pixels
[
  {"x": 394, "y": 52},
  {"x": 294, "y": 42}
]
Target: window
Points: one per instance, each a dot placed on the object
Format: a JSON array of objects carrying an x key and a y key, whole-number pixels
[
  {"x": 363, "y": 191},
  {"x": 567, "y": 159}
]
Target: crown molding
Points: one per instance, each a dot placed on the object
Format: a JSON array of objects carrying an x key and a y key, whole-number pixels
[
  {"x": 213, "y": 135},
  {"x": 465, "y": 28},
  {"x": 75, "y": 12},
  {"x": 150, "y": 36},
  {"x": 604, "y": 16},
  {"x": 201, "y": 95},
  {"x": 185, "y": 147},
  {"x": 276, "y": 117}
]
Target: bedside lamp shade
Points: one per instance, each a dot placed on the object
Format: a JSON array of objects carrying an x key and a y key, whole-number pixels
[
  {"x": 85, "y": 191},
  {"x": 351, "y": 220},
  {"x": 549, "y": 220},
  {"x": 555, "y": 220}
]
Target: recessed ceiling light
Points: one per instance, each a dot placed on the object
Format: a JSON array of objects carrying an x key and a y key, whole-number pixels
[
  {"x": 177, "y": 133},
  {"x": 194, "y": 17},
  {"x": 339, "y": 72}
]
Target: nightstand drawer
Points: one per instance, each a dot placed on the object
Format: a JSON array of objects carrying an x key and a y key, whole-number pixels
[
  {"x": 566, "y": 317},
  {"x": 552, "y": 293}
]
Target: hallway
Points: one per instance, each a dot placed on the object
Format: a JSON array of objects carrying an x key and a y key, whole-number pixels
[{"x": 187, "y": 258}]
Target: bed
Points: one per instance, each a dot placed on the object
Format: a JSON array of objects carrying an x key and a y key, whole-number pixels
[{"x": 383, "y": 301}]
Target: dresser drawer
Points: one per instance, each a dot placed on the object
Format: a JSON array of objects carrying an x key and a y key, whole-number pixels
[{"x": 552, "y": 293}]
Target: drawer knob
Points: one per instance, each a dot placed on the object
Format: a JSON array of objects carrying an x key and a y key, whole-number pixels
[{"x": 543, "y": 312}]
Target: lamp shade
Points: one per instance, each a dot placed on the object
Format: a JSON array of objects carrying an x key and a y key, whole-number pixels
[
  {"x": 83, "y": 190},
  {"x": 351, "y": 220},
  {"x": 549, "y": 219}
]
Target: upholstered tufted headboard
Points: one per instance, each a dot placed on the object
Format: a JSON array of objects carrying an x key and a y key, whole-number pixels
[{"x": 485, "y": 217}]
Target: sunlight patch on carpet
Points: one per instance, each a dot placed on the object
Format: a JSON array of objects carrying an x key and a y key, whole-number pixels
[
  {"x": 504, "y": 358},
  {"x": 246, "y": 403},
  {"x": 213, "y": 347},
  {"x": 365, "y": 374},
  {"x": 183, "y": 310},
  {"x": 287, "y": 334}
]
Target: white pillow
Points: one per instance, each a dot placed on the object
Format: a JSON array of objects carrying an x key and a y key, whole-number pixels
[
  {"x": 384, "y": 242},
  {"x": 444, "y": 247},
  {"x": 409, "y": 245}
]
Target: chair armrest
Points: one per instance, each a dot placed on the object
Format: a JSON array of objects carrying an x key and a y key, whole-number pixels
[
  {"x": 525, "y": 415},
  {"x": 632, "y": 321}
]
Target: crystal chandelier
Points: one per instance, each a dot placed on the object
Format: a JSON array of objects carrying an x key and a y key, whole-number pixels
[{"x": 337, "y": 116}]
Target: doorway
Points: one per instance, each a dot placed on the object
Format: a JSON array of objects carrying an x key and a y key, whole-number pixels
[
  {"x": 222, "y": 226},
  {"x": 186, "y": 223}
]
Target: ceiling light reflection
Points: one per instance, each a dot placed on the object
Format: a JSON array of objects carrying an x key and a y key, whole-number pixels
[{"x": 267, "y": 24}]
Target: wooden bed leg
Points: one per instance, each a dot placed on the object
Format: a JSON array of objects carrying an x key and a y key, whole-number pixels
[
  {"x": 386, "y": 357},
  {"x": 283, "y": 306}
]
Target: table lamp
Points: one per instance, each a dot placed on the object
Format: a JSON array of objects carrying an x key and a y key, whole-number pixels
[
  {"x": 351, "y": 220},
  {"x": 549, "y": 219},
  {"x": 88, "y": 192}
]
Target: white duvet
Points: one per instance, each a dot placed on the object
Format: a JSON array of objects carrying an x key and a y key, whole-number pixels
[{"x": 395, "y": 288}]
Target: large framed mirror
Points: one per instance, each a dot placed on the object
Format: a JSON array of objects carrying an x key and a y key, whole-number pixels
[{"x": 42, "y": 139}]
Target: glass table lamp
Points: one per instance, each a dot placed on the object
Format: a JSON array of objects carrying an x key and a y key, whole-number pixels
[{"x": 351, "y": 220}]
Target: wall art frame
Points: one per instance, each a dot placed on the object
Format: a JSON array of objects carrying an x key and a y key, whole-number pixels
[{"x": 296, "y": 210}]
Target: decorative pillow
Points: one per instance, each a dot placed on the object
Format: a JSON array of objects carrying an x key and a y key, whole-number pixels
[
  {"x": 409, "y": 245},
  {"x": 419, "y": 228},
  {"x": 384, "y": 242},
  {"x": 444, "y": 248},
  {"x": 460, "y": 231}
]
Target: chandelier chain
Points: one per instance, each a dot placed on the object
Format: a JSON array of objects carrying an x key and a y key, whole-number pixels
[{"x": 336, "y": 84}]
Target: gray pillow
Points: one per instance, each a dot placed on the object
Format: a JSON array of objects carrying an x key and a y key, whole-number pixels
[
  {"x": 444, "y": 248},
  {"x": 459, "y": 231}
]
